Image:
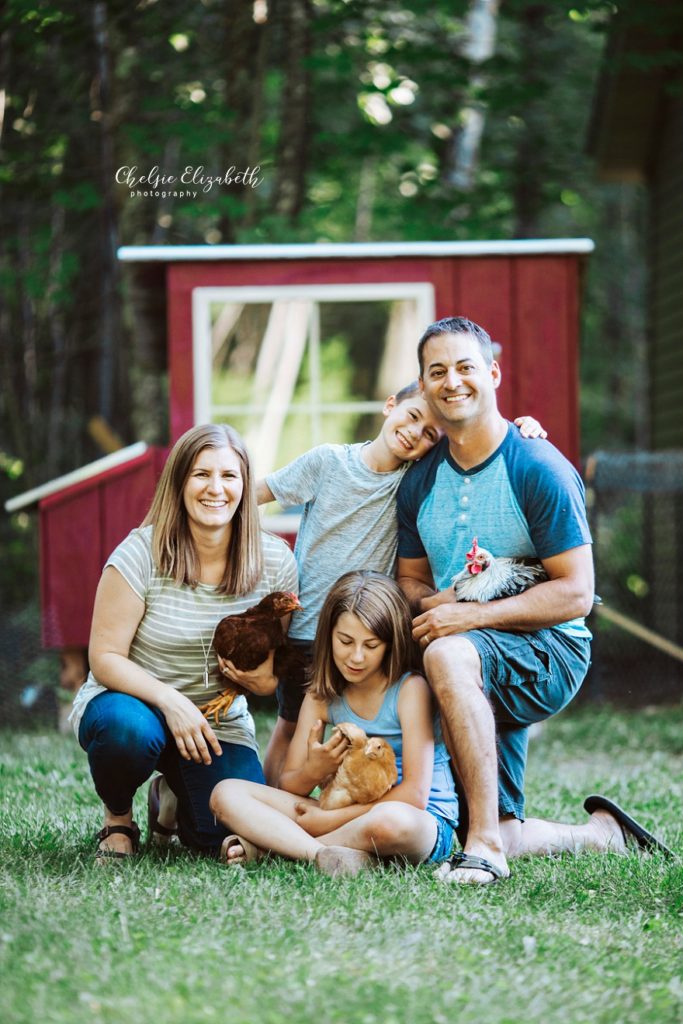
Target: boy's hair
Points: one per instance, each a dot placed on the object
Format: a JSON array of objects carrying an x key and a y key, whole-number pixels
[
  {"x": 173, "y": 548},
  {"x": 408, "y": 392},
  {"x": 456, "y": 325},
  {"x": 381, "y": 606}
]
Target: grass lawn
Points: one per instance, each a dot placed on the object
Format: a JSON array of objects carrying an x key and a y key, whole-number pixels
[{"x": 175, "y": 939}]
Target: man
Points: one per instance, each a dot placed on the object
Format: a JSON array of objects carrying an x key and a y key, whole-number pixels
[{"x": 496, "y": 668}]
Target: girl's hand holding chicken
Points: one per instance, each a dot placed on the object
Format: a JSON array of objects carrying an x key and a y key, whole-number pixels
[{"x": 323, "y": 759}]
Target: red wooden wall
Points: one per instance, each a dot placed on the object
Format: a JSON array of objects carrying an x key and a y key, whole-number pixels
[
  {"x": 527, "y": 303},
  {"x": 79, "y": 528}
]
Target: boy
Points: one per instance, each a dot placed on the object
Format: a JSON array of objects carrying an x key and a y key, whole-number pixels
[{"x": 349, "y": 522}]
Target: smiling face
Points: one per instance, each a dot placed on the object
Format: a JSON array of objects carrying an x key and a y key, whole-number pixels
[
  {"x": 457, "y": 383},
  {"x": 410, "y": 428},
  {"x": 356, "y": 651},
  {"x": 213, "y": 489}
]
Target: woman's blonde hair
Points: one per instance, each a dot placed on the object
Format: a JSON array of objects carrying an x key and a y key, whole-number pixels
[
  {"x": 173, "y": 548},
  {"x": 381, "y": 606}
]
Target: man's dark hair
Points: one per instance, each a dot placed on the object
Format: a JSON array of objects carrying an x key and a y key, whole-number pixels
[{"x": 456, "y": 325}]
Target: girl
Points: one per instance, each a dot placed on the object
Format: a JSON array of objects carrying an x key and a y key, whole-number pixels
[{"x": 362, "y": 674}]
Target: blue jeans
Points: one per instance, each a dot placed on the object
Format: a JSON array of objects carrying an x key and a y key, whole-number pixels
[{"x": 127, "y": 740}]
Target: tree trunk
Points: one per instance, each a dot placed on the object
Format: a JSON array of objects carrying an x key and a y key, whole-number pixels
[{"x": 290, "y": 184}]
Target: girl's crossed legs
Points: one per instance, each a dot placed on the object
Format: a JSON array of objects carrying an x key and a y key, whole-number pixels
[{"x": 267, "y": 817}]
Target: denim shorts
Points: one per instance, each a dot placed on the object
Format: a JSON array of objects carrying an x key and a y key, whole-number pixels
[
  {"x": 290, "y": 694},
  {"x": 445, "y": 831},
  {"x": 527, "y": 678}
]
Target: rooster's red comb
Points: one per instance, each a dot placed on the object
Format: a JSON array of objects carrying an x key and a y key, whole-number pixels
[{"x": 471, "y": 555}]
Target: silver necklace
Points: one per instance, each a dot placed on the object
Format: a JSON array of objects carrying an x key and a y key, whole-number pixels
[{"x": 206, "y": 653}]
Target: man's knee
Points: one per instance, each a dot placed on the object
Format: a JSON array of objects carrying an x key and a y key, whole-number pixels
[{"x": 452, "y": 661}]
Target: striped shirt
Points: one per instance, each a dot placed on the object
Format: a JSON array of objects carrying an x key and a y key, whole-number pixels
[{"x": 179, "y": 619}]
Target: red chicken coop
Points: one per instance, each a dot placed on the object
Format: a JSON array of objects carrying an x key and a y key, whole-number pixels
[{"x": 299, "y": 344}]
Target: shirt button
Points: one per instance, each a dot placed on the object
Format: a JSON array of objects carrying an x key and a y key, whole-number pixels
[
  {"x": 467, "y": 480},
  {"x": 464, "y": 500},
  {"x": 462, "y": 518}
]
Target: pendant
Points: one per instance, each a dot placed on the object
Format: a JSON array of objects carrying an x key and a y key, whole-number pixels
[{"x": 206, "y": 677}]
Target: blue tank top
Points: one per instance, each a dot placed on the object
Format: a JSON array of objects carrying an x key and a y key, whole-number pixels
[{"x": 442, "y": 799}]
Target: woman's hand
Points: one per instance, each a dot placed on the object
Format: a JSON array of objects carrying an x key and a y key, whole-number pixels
[
  {"x": 323, "y": 759},
  {"x": 191, "y": 731},
  {"x": 260, "y": 681}
]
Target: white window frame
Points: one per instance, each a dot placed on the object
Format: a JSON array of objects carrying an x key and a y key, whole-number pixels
[{"x": 421, "y": 292}]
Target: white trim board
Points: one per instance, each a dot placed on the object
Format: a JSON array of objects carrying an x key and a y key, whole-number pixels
[
  {"x": 421, "y": 292},
  {"x": 60, "y": 483},
  {"x": 353, "y": 250}
]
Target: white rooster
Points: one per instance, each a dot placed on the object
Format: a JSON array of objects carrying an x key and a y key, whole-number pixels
[{"x": 486, "y": 577}]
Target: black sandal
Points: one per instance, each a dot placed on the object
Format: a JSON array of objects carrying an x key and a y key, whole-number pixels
[
  {"x": 460, "y": 860},
  {"x": 132, "y": 832}
]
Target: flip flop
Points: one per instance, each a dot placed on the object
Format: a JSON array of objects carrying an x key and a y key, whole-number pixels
[
  {"x": 251, "y": 852},
  {"x": 628, "y": 825},
  {"x": 460, "y": 861}
]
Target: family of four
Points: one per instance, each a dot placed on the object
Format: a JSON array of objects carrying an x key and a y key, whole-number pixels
[{"x": 446, "y": 467}]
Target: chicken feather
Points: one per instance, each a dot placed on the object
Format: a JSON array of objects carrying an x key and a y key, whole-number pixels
[
  {"x": 487, "y": 577},
  {"x": 366, "y": 773}
]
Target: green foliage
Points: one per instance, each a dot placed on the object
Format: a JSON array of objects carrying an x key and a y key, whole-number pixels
[{"x": 383, "y": 87}]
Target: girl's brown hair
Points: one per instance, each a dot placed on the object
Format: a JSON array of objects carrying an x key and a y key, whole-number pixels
[
  {"x": 173, "y": 548},
  {"x": 381, "y": 606}
]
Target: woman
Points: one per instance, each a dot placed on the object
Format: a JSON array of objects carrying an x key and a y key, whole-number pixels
[{"x": 198, "y": 556}]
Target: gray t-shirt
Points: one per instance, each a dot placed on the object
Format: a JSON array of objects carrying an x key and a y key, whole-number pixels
[
  {"x": 349, "y": 521},
  {"x": 177, "y": 619}
]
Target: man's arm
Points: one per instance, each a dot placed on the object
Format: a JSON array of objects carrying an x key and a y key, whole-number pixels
[
  {"x": 415, "y": 579},
  {"x": 568, "y": 593}
]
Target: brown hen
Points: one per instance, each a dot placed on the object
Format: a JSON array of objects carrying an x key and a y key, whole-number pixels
[
  {"x": 247, "y": 639},
  {"x": 367, "y": 772}
]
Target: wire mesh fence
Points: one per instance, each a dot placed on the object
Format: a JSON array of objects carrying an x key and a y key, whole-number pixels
[{"x": 635, "y": 503}]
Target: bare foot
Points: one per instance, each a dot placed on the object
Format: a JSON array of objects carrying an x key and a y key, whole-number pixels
[
  {"x": 608, "y": 833},
  {"x": 341, "y": 860},
  {"x": 472, "y": 876}
]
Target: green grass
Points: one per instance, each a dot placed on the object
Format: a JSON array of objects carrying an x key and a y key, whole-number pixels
[{"x": 178, "y": 939}]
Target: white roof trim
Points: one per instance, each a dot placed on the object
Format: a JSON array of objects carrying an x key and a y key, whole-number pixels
[
  {"x": 118, "y": 458},
  {"x": 355, "y": 250}
]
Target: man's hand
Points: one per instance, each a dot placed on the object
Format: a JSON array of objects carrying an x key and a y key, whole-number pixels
[
  {"x": 441, "y": 597},
  {"x": 446, "y": 618}
]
